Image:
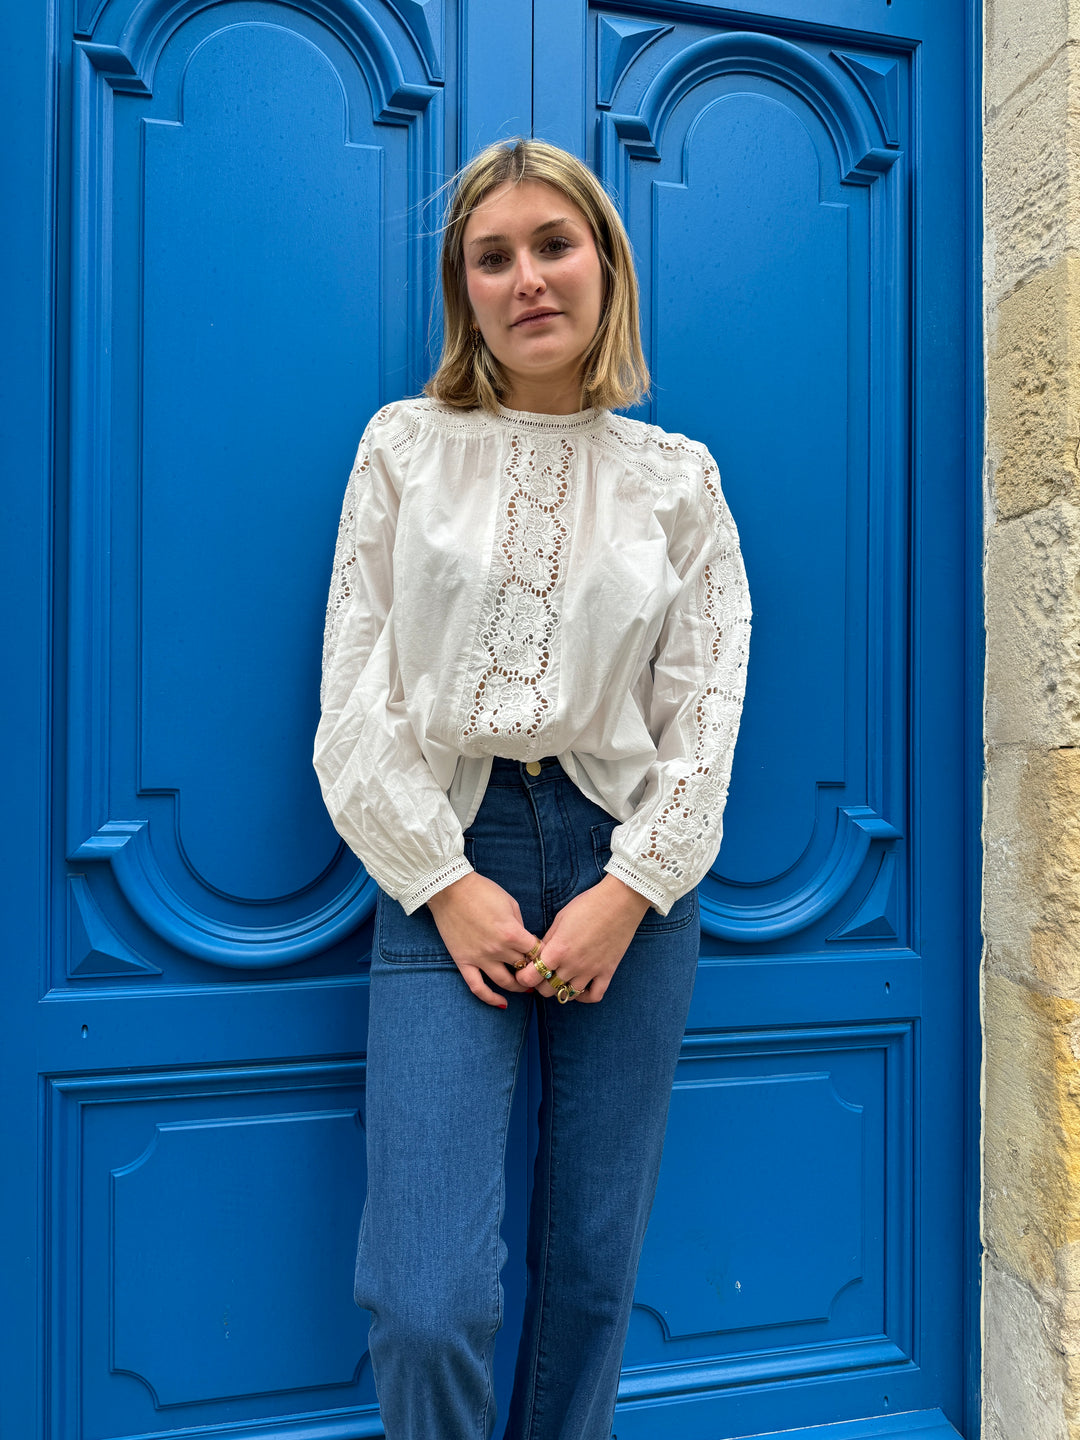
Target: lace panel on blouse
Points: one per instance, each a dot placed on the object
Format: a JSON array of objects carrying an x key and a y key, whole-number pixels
[
  {"x": 345, "y": 562},
  {"x": 511, "y": 695},
  {"x": 341, "y": 580},
  {"x": 691, "y": 817}
]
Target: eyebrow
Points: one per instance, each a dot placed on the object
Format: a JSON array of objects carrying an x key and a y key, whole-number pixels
[{"x": 501, "y": 239}]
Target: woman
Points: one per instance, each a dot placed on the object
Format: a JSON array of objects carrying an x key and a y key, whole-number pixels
[{"x": 535, "y": 659}]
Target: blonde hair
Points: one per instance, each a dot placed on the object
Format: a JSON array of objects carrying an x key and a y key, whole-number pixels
[{"x": 613, "y": 370}]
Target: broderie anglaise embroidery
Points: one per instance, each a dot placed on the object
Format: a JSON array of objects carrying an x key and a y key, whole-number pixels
[
  {"x": 641, "y": 445},
  {"x": 341, "y": 579},
  {"x": 520, "y": 618},
  {"x": 691, "y": 817}
]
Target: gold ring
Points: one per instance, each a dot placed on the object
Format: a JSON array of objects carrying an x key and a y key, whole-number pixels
[
  {"x": 565, "y": 992},
  {"x": 533, "y": 954},
  {"x": 548, "y": 975}
]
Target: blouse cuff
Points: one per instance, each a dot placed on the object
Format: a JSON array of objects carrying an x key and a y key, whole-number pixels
[
  {"x": 420, "y": 891},
  {"x": 659, "y": 899}
]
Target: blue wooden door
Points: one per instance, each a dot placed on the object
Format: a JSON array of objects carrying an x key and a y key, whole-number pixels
[
  {"x": 228, "y": 269},
  {"x": 244, "y": 277},
  {"x": 794, "y": 187}
]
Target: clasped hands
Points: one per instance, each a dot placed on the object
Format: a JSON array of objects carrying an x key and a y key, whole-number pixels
[{"x": 480, "y": 924}]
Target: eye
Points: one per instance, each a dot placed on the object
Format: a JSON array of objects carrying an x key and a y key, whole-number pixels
[
  {"x": 557, "y": 244},
  {"x": 491, "y": 260}
]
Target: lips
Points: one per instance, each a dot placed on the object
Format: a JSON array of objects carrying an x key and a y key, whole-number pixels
[{"x": 533, "y": 315}]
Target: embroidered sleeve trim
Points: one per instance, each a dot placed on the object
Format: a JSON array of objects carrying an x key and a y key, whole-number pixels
[
  {"x": 421, "y": 891},
  {"x": 656, "y": 896}
]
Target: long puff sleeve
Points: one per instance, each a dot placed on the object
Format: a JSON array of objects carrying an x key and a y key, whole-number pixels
[
  {"x": 378, "y": 788},
  {"x": 671, "y": 839}
]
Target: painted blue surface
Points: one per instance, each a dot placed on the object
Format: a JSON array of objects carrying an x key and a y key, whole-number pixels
[
  {"x": 788, "y": 196},
  {"x": 795, "y": 196},
  {"x": 232, "y": 217}
]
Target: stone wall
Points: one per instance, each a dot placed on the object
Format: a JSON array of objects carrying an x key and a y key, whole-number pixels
[{"x": 1031, "y": 894}]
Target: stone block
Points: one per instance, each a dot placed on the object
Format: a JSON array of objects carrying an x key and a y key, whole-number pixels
[
  {"x": 1031, "y": 168},
  {"x": 1008, "y": 913},
  {"x": 1031, "y": 1141},
  {"x": 1021, "y": 39},
  {"x": 1032, "y": 606},
  {"x": 1033, "y": 392},
  {"x": 1025, "y": 1380},
  {"x": 1031, "y": 891}
]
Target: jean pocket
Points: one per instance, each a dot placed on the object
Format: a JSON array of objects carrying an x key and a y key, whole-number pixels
[
  {"x": 682, "y": 913},
  {"x": 402, "y": 939},
  {"x": 414, "y": 939}
]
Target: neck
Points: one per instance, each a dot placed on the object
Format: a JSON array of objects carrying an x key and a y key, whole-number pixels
[{"x": 545, "y": 397}]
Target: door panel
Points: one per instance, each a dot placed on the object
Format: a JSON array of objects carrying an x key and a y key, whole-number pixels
[
  {"x": 250, "y": 281},
  {"x": 769, "y": 318},
  {"x": 221, "y": 371},
  {"x": 770, "y": 170}
]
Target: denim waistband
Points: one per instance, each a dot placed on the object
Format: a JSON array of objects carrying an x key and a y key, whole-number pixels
[{"x": 515, "y": 772}]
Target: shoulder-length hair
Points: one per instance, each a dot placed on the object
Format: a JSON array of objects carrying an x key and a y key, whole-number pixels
[{"x": 613, "y": 372}]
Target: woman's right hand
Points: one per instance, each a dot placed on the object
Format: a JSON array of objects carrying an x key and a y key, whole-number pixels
[{"x": 480, "y": 925}]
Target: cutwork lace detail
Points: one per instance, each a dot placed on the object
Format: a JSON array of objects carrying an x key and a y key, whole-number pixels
[
  {"x": 341, "y": 581},
  {"x": 639, "y": 445},
  {"x": 692, "y": 816},
  {"x": 520, "y": 618},
  {"x": 345, "y": 561}
]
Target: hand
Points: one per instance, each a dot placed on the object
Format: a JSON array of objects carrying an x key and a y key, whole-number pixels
[
  {"x": 480, "y": 925},
  {"x": 588, "y": 938}
]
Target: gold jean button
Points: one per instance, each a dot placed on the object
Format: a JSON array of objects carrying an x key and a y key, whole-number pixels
[{"x": 533, "y": 767}]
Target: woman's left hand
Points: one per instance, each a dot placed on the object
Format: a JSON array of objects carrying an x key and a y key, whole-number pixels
[{"x": 588, "y": 938}]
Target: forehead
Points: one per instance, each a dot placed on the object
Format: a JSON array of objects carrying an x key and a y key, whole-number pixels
[{"x": 511, "y": 208}]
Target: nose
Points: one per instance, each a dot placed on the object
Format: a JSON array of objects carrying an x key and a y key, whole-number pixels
[{"x": 528, "y": 280}]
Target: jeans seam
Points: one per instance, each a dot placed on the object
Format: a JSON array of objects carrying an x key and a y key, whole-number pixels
[
  {"x": 554, "y": 902},
  {"x": 529, "y": 1411},
  {"x": 575, "y": 868},
  {"x": 498, "y": 1306},
  {"x": 540, "y": 842}
]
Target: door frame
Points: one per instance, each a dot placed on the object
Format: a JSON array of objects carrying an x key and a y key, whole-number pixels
[{"x": 974, "y": 430}]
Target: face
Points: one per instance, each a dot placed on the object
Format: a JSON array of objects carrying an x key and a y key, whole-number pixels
[{"x": 535, "y": 286}]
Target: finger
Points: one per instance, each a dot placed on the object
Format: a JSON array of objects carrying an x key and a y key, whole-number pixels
[
  {"x": 530, "y": 951},
  {"x": 576, "y": 989},
  {"x": 544, "y": 988},
  {"x": 596, "y": 990},
  {"x": 531, "y": 979},
  {"x": 566, "y": 971},
  {"x": 475, "y": 981},
  {"x": 506, "y": 978}
]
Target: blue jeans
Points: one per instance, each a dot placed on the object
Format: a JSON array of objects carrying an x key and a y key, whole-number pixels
[{"x": 441, "y": 1070}]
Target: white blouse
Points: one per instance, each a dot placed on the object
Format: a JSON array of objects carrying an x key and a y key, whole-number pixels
[{"x": 526, "y": 586}]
